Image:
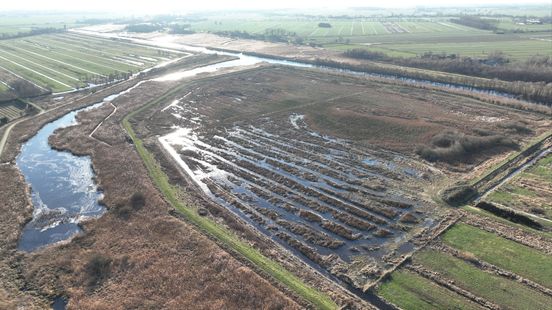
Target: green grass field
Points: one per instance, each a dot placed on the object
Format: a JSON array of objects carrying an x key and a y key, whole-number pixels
[
  {"x": 66, "y": 61},
  {"x": 411, "y": 291},
  {"x": 542, "y": 169},
  {"x": 501, "y": 252},
  {"x": 504, "y": 292},
  {"x": 339, "y": 28},
  {"x": 516, "y": 49},
  {"x": 220, "y": 233},
  {"x": 14, "y": 22},
  {"x": 404, "y": 37}
]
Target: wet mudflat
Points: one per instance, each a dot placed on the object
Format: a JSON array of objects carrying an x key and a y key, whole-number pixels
[
  {"x": 323, "y": 166},
  {"x": 338, "y": 204}
]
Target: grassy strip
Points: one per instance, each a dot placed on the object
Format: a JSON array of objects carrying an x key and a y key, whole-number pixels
[
  {"x": 223, "y": 235},
  {"x": 506, "y": 293},
  {"x": 501, "y": 252},
  {"x": 411, "y": 291},
  {"x": 542, "y": 169}
]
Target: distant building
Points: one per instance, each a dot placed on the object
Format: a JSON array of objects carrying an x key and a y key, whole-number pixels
[{"x": 533, "y": 22}]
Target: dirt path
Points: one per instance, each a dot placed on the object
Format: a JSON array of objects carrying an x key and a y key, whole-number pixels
[{"x": 91, "y": 135}]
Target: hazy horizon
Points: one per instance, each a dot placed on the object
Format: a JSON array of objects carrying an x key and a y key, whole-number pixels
[{"x": 167, "y": 6}]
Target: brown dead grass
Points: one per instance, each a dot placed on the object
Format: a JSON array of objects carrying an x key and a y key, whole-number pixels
[
  {"x": 157, "y": 260},
  {"x": 396, "y": 117}
]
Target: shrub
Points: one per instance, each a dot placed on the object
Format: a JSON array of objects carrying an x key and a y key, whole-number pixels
[
  {"x": 137, "y": 201},
  {"x": 509, "y": 215},
  {"x": 122, "y": 210},
  {"x": 458, "y": 194},
  {"x": 537, "y": 210},
  {"x": 518, "y": 127},
  {"x": 468, "y": 256},
  {"x": 97, "y": 269}
]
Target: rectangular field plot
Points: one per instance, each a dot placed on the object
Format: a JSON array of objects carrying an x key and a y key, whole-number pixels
[
  {"x": 504, "y": 292},
  {"x": 349, "y": 28},
  {"x": 326, "y": 168},
  {"x": 67, "y": 61},
  {"x": 12, "y": 109},
  {"x": 411, "y": 291},
  {"x": 506, "y": 254},
  {"x": 518, "y": 49},
  {"x": 467, "y": 262},
  {"x": 530, "y": 191}
]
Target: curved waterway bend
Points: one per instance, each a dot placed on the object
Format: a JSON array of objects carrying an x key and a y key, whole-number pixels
[
  {"x": 168, "y": 43},
  {"x": 63, "y": 191},
  {"x": 62, "y": 188}
]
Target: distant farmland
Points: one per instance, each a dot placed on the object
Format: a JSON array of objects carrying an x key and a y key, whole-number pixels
[
  {"x": 344, "y": 28},
  {"x": 406, "y": 37},
  {"x": 65, "y": 61}
]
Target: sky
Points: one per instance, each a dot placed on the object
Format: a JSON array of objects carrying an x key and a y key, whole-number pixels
[{"x": 180, "y": 6}]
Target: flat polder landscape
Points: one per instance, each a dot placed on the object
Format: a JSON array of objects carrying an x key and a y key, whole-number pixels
[{"x": 328, "y": 158}]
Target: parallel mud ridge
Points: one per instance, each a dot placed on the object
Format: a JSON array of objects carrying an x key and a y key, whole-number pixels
[
  {"x": 346, "y": 208},
  {"x": 322, "y": 164}
]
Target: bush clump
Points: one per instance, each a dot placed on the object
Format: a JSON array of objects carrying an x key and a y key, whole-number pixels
[
  {"x": 137, "y": 201},
  {"x": 517, "y": 127},
  {"x": 510, "y": 215},
  {"x": 97, "y": 269},
  {"x": 124, "y": 209},
  {"x": 459, "y": 194},
  {"x": 453, "y": 147}
]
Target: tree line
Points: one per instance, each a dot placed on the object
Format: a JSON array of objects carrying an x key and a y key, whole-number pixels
[
  {"x": 495, "y": 66},
  {"x": 271, "y": 35},
  {"x": 32, "y": 32},
  {"x": 476, "y": 22}
]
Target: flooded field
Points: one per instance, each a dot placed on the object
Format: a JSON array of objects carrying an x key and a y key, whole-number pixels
[
  {"x": 330, "y": 174},
  {"x": 323, "y": 196},
  {"x": 338, "y": 204}
]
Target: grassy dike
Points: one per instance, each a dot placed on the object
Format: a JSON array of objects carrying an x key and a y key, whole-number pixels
[{"x": 221, "y": 234}]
